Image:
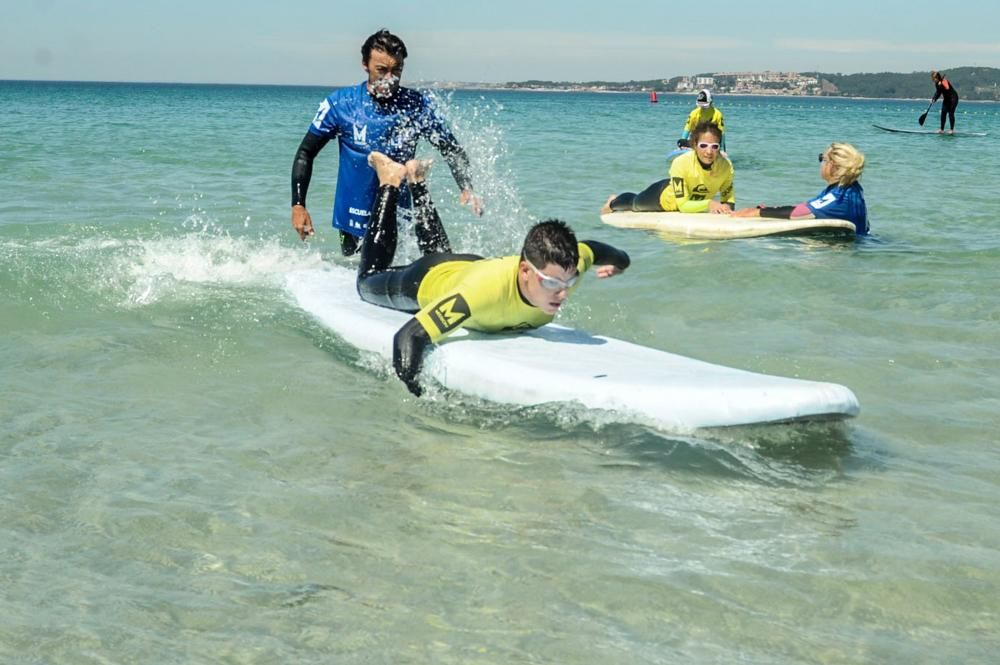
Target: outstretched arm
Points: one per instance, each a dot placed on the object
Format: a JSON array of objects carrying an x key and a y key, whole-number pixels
[
  {"x": 441, "y": 137},
  {"x": 458, "y": 162},
  {"x": 608, "y": 260},
  {"x": 800, "y": 211},
  {"x": 408, "y": 348},
  {"x": 727, "y": 198}
]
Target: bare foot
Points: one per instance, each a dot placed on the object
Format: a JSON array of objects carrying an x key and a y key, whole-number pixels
[
  {"x": 606, "y": 208},
  {"x": 416, "y": 169},
  {"x": 389, "y": 172}
]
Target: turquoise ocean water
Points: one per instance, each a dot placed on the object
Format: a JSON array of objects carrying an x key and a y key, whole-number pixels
[{"x": 193, "y": 471}]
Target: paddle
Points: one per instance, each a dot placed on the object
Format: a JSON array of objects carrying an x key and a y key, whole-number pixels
[{"x": 923, "y": 116}]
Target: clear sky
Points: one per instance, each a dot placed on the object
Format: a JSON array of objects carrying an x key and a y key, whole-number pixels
[{"x": 316, "y": 42}]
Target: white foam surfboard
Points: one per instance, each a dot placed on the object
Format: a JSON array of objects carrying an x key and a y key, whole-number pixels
[
  {"x": 707, "y": 226},
  {"x": 558, "y": 364},
  {"x": 926, "y": 131}
]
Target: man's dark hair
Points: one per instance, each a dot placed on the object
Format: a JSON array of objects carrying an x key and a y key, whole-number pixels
[
  {"x": 705, "y": 128},
  {"x": 551, "y": 241},
  {"x": 384, "y": 41}
]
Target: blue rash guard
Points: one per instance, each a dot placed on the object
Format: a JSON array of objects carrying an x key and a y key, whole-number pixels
[
  {"x": 837, "y": 202},
  {"x": 361, "y": 125}
]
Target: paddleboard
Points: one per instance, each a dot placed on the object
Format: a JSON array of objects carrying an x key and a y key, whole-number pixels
[
  {"x": 558, "y": 364},
  {"x": 926, "y": 131},
  {"x": 707, "y": 226}
]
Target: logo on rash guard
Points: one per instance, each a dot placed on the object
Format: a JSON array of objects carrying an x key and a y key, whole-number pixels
[
  {"x": 678, "y": 184},
  {"x": 823, "y": 201},
  {"x": 361, "y": 134},
  {"x": 700, "y": 193},
  {"x": 324, "y": 108},
  {"x": 449, "y": 314}
]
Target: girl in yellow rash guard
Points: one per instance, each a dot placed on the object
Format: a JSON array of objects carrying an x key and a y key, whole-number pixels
[
  {"x": 695, "y": 178},
  {"x": 447, "y": 291}
]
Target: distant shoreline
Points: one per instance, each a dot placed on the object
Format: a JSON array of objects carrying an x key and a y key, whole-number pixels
[
  {"x": 719, "y": 95},
  {"x": 448, "y": 87}
]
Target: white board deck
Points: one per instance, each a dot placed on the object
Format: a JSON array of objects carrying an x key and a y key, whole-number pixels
[
  {"x": 706, "y": 226},
  {"x": 559, "y": 364},
  {"x": 896, "y": 130}
]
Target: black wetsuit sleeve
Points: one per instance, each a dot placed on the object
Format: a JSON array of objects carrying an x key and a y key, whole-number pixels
[
  {"x": 408, "y": 348},
  {"x": 303, "y": 164},
  {"x": 605, "y": 254},
  {"x": 777, "y": 212},
  {"x": 458, "y": 160}
]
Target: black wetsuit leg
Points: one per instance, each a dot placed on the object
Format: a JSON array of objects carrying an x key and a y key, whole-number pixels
[
  {"x": 379, "y": 247},
  {"x": 396, "y": 287},
  {"x": 431, "y": 236},
  {"x": 648, "y": 200},
  {"x": 948, "y": 106},
  {"x": 380, "y": 283}
]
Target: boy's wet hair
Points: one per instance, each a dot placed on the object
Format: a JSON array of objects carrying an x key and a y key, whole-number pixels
[{"x": 551, "y": 241}]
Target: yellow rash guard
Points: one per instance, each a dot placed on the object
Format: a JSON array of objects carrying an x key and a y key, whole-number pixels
[
  {"x": 481, "y": 295},
  {"x": 700, "y": 115},
  {"x": 691, "y": 187}
]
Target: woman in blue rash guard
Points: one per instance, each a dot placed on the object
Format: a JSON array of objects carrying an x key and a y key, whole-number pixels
[{"x": 840, "y": 166}]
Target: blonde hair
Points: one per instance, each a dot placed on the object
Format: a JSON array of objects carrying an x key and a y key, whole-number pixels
[{"x": 847, "y": 163}]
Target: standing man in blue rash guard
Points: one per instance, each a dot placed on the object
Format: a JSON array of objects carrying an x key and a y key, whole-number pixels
[{"x": 376, "y": 115}]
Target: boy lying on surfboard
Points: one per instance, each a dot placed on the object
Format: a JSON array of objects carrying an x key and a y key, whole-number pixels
[{"x": 447, "y": 291}]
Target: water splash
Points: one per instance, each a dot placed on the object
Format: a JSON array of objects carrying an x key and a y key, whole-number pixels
[
  {"x": 138, "y": 271},
  {"x": 505, "y": 221},
  {"x": 150, "y": 270}
]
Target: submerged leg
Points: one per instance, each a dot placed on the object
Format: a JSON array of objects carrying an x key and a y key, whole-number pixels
[{"x": 349, "y": 243}]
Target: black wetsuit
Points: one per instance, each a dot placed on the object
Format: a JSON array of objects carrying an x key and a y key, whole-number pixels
[
  {"x": 949, "y": 101},
  {"x": 648, "y": 200},
  {"x": 381, "y": 283}
]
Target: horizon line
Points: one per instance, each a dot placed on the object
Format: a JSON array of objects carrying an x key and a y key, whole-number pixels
[{"x": 471, "y": 83}]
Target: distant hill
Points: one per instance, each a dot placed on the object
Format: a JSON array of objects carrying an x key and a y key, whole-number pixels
[
  {"x": 973, "y": 83},
  {"x": 981, "y": 83},
  {"x": 613, "y": 86}
]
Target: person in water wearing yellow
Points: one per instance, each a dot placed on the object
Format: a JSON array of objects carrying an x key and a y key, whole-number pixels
[
  {"x": 703, "y": 112},
  {"x": 695, "y": 178},
  {"x": 447, "y": 291}
]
